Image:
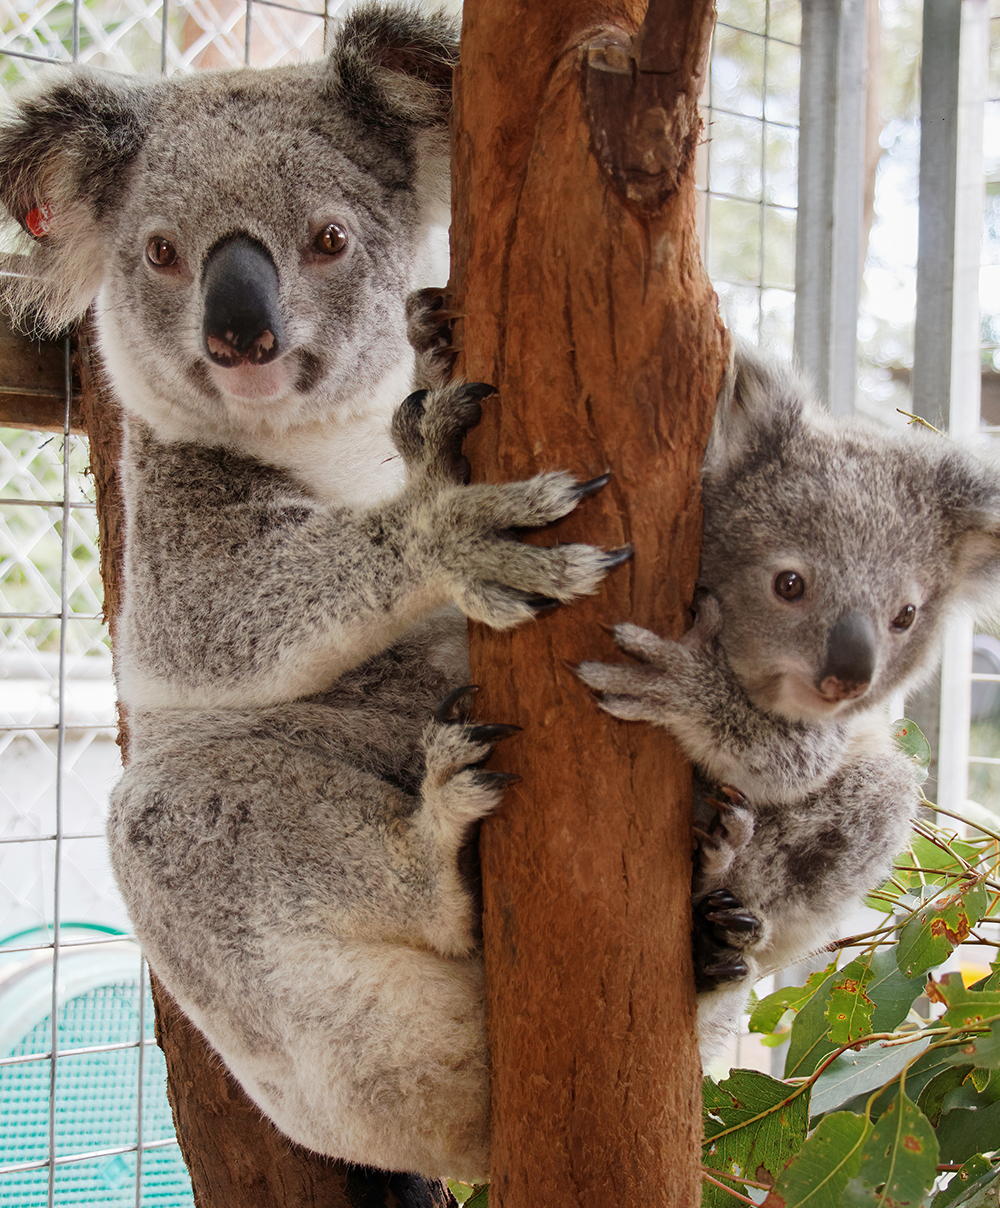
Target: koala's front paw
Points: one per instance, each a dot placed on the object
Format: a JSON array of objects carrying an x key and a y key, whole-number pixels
[
  {"x": 730, "y": 831},
  {"x": 723, "y": 931},
  {"x": 430, "y": 327},
  {"x": 649, "y": 692},
  {"x": 457, "y": 790},
  {"x": 429, "y": 427}
]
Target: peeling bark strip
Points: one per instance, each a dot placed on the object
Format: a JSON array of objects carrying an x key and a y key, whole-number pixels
[
  {"x": 236, "y": 1158},
  {"x": 642, "y": 100},
  {"x": 579, "y": 278}
]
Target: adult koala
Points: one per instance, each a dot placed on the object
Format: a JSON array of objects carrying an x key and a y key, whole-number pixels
[{"x": 287, "y": 833}]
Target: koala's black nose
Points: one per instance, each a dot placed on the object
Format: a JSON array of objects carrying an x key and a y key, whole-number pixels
[
  {"x": 850, "y": 658},
  {"x": 242, "y": 323}
]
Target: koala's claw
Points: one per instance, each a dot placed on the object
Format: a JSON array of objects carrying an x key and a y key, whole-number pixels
[
  {"x": 492, "y": 732},
  {"x": 585, "y": 489},
  {"x": 723, "y": 930},
  {"x": 616, "y": 557},
  {"x": 429, "y": 427},
  {"x": 430, "y": 328},
  {"x": 730, "y": 831},
  {"x": 448, "y": 710}
]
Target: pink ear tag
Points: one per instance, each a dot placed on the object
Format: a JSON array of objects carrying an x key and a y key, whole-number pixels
[{"x": 38, "y": 220}]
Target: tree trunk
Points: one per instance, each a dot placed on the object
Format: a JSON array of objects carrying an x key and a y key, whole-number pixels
[
  {"x": 236, "y": 1158},
  {"x": 579, "y": 279}
]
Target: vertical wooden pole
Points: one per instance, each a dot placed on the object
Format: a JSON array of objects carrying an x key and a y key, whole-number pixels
[{"x": 579, "y": 277}]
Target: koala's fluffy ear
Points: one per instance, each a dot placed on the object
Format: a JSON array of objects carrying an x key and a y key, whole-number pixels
[
  {"x": 758, "y": 399},
  {"x": 391, "y": 69},
  {"x": 66, "y": 143}
]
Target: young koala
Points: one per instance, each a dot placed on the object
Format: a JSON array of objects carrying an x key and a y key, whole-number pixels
[
  {"x": 291, "y": 652},
  {"x": 832, "y": 554}
]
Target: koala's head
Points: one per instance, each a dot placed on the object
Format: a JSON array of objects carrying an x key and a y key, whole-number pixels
[
  {"x": 250, "y": 236},
  {"x": 837, "y": 549}
]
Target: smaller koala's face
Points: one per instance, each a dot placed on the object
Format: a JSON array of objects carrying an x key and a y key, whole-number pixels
[
  {"x": 837, "y": 550},
  {"x": 258, "y": 272}
]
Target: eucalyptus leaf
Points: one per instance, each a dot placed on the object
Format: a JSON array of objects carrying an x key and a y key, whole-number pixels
[
  {"x": 912, "y": 742},
  {"x": 855, "y": 1073},
  {"x": 818, "y": 1174},
  {"x": 767, "y": 1013},
  {"x": 899, "y": 1157},
  {"x": 752, "y": 1122},
  {"x": 849, "y": 1010},
  {"x": 983, "y": 1193},
  {"x": 965, "y": 1180},
  {"x": 963, "y": 1133},
  {"x": 935, "y": 930},
  {"x": 480, "y": 1198},
  {"x": 931, "y": 1099}
]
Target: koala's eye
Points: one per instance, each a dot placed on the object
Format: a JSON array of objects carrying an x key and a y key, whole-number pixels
[
  {"x": 789, "y": 585},
  {"x": 161, "y": 252},
  {"x": 905, "y": 617},
  {"x": 331, "y": 240}
]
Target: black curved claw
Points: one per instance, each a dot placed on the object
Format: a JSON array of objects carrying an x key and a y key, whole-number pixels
[
  {"x": 715, "y": 973},
  {"x": 540, "y": 605},
  {"x": 492, "y": 732},
  {"x": 719, "y": 899},
  {"x": 584, "y": 490},
  {"x": 741, "y": 921},
  {"x": 615, "y": 557},
  {"x": 478, "y": 390},
  {"x": 415, "y": 402},
  {"x": 445, "y": 712}
]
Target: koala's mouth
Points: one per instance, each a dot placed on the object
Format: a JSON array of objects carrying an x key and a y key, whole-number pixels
[{"x": 249, "y": 381}]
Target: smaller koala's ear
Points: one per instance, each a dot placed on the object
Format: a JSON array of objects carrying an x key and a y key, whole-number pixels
[
  {"x": 758, "y": 396},
  {"x": 967, "y": 486},
  {"x": 66, "y": 142},
  {"x": 392, "y": 66}
]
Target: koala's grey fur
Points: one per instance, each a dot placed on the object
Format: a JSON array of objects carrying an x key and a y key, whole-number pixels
[
  {"x": 287, "y": 833},
  {"x": 784, "y": 699}
]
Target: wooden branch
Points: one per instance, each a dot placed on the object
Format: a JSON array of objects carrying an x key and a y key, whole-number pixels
[
  {"x": 236, "y": 1158},
  {"x": 33, "y": 383},
  {"x": 579, "y": 277}
]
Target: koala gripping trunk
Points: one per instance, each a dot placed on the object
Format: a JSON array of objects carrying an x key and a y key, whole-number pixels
[{"x": 580, "y": 281}]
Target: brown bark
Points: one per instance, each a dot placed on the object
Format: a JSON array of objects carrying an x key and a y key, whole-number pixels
[
  {"x": 236, "y": 1158},
  {"x": 579, "y": 278},
  {"x": 33, "y": 383}
]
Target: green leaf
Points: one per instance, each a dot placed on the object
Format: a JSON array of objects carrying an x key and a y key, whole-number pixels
[
  {"x": 964, "y": 1180},
  {"x": 849, "y": 1009},
  {"x": 767, "y": 1013},
  {"x": 819, "y": 1172},
  {"x": 899, "y": 1159},
  {"x": 480, "y": 1198},
  {"x": 977, "y": 1010},
  {"x": 913, "y": 743},
  {"x": 751, "y": 1122},
  {"x": 963, "y": 1133},
  {"x": 861, "y": 1073},
  {"x": 982, "y": 1192},
  {"x": 935, "y": 930},
  {"x": 931, "y": 1098},
  {"x": 888, "y": 989}
]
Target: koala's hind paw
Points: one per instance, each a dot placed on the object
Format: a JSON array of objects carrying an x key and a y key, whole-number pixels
[
  {"x": 429, "y": 427},
  {"x": 723, "y": 930},
  {"x": 430, "y": 328},
  {"x": 730, "y": 831},
  {"x": 457, "y": 789}
]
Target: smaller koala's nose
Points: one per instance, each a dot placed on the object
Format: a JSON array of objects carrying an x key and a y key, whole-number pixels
[
  {"x": 242, "y": 322},
  {"x": 850, "y": 658}
]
